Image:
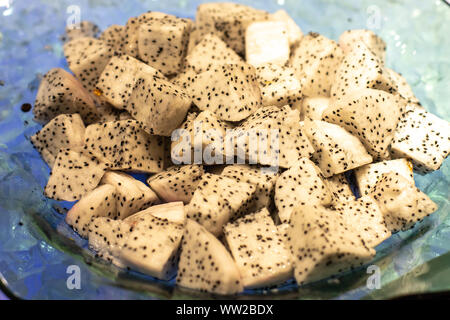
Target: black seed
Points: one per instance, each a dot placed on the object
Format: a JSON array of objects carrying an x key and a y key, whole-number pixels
[{"x": 25, "y": 107}]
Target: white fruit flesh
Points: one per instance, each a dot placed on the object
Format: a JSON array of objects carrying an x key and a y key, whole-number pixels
[
  {"x": 152, "y": 246},
  {"x": 315, "y": 61},
  {"x": 401, "y": 203},
  {"x": 368, "y": 175},
  {"x": 205, "y": 264},
  {"x": 65, "y": 131},
  {"x": 132, "y": 194},
  {"x": 119, "y": 77},
  {"x": 173, "y": 212},
  {"x": 100, "y": 202},
  {"x": 295, "y": 34},
  {"x": 351, "y": 39},
  {"x": 371, "y": 115},
  {"x": 258, "y": 250},
  {"x": 267, "y": 42},
  {"x": 278, "y": 85},
  {"x": 217, "y": 200},
  {"x": 313, "y": 107},
  {"x": 177, "y": 183},
  {"x": 336, "y": 150},
  {"x": 423, "y": 138},
  {"x": 302, "y": 183},
  {"x": 322, "y": 245},
  {"x": 73, "y": 175}
]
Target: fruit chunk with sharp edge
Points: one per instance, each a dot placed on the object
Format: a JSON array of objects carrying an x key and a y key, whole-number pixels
[
  {"x": 267, "y": 42},
  {"x": 177, "y": 183},
  {"x": 423, "y": 138},
  {"x": 132, "y": 195},
  {"x": 60, "y": 93},
  {"x": 258, "y": 249},
  {"x": 100, "y": 202},
  {"x": 336, "y": 150},
  {"x": 302, "y": 183},
  {"x": 402, "y": 204},
  {"x": 74, "y": 174},
  {"x": 205, "y": 264},
  {"x": 367, "y": 176},
  {"x": 65, "y": 131},
  {"x": 125, "y": 145}
]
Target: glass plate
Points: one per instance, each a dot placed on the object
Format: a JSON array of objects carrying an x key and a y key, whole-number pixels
[{"x": 38, "y": 251}]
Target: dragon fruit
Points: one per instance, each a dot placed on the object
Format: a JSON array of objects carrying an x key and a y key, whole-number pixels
[
  {"x": 156, "y": 50},
  {"x": 130, "y": 43},
  {"x": 81, "y": 30},
  {"x": 423, "y": 138},
  {"x": 210, "y": 52},
  {"x": 132, "y": 195},
  {"x": 200, "y": 140},
  {"x": 264, "y": 181},
  {"x": 107, "y": 237},
  {"x": 160, "y": 105},
  {"x": 351, "y": 39},
  {"x": 361, "y": 69},
  {"x": 184, "y": 79},
  {"x": 205, "y": 264},
  {"x": 173, "y": 212},
  {"x": 198, "y": 32},
  {"x": 108, "y": 113},
  {"x": 267, "y": 42},
  {"x": 294, "y": 32},
  {"x": 217, "y": 200},
  {"x": 283, "y": 232},
  {"x": 258, "y": 250},
  {"x": 65, "y": 131},
  {"x": 229, "y": 21},
  {"x": 87, "y": 57},
  {"x": 372, "y": 116},
  {"x": 119, "y": 78},
  {"x": 152, "y": 246},
  {"x": 313, "y": 107},
  {"x": 131, "y": 37},
  {"x": 302, "y": 183},
  {"x": 252, "y": 135},
  {"x": 124, "y": 145},
  {"x": 366, "y": 219},
  {"x": 114, "y": 36},
  {"x": 278, "y": 85},
  {"x": 403, "y": 88},
  {"x": 60, "y": 93},
  {"x": 100, "y": 202},
  {"x": 74, "y": 174},
  {"x": 272, "y": 136},
  {"x": 230, "y": 91},
  {"x": 74, "y": 50},
  {"x": 323, "y": 245},
  {"x": 401, "y": 203},
  {"x": 336, "y": 150},
  {"x": 177, "y": 183},
  {"x": 340, "y": 187},
  {"x": 315, "y": 62},
  {"x": 368, "y": 175}
]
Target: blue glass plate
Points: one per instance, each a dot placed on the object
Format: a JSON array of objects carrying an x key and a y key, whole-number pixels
[{"x": 39, "y": 252}]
